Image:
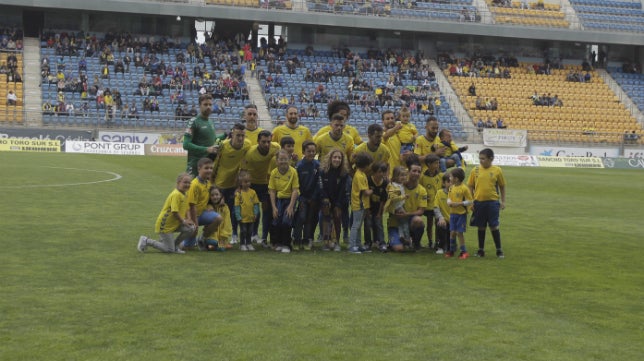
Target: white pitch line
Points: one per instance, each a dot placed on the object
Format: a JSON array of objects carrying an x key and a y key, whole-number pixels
[{"x": 115, "y": 177}]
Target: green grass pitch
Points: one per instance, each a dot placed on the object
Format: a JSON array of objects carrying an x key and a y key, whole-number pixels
[{"x": 75, "y": 288}]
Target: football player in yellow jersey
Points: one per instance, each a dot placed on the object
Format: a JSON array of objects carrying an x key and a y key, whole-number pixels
[
  {"x": 431, "y": 180},
  {"x": 414, "y": 206},
  {"x": 405, "y": 130},
  {"x": 251, "y": 121},
  {"x": 374, "y": 146},
  {"x": 392, "y": 142},
  {"x": 257, "y": 161},
  {"x": 335, "y": 139},
  {"x": 299, "y": 133},
  {"x": 424, "y": 145},
  {"x": 487, "y": 183},
  {"x": 343, "y": 108},
  {"x": 227, "y": 165},
  {"x": 459, "y": 199},
  {"x": 172, "y": 218}
]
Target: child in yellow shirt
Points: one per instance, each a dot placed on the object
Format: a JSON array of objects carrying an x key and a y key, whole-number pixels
[{"x": 246, "y": 210}]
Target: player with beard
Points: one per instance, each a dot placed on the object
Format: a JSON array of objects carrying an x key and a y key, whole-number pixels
[
  {"x": 200, "y": 138},
  {"x": 290, "y": 128},
  {"x": 257, "y": 161},
  {"x": 251, "y": 123},
  {"x": 430, "y": 143},
  {"x": 393, "y": 142}
]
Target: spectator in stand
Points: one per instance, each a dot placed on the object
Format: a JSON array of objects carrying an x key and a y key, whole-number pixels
[
  {"x": 12, "y": 99},
  {"x": 472, "y": 90},
  {"x": 480, "y": 125},
  {"x": 500, "y": 124},
  {"x": 133, "y": 113}
]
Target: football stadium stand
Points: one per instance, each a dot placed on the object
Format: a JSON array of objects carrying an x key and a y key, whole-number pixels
[
  {"x": 170, "y": 76},
  {"x": 610, "y": 15},
  {"x": 324, "y": 75},
  {"x": 632, "y": 82},
  {"x": 9, "y": 84},
  {"x": 458, "y": 10},
  {"x": 586, "y": 111},
  {"x": 529, "y": 14}
]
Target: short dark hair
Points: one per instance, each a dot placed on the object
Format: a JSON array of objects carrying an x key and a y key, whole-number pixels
[
  {"x": 263, "y": 133},
  {"x": 379, "y": 166},
  {"x": 250, "y": 106},
  {"x": 203, "y": 161},
  {"x": 373, "y": 128},
  {"x": 306, "y": 144},
  {"x": 487, "y": 152},
  {"x": 430, "y": 118},
  {"x": 204, "y": 97},
  {"x": 239, "y": 126},
  {"x": 431, "y": 158},
  {"x": 382, "y": 116},
  {"x": 286, "y": 140},
  {"x": 362, "y": 159},
  {"x": 458, "y": 173},
  {"x": 412, "y": 159}
]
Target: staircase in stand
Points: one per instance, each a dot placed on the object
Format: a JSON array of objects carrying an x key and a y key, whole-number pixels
[{"x": 31, "y": 82}]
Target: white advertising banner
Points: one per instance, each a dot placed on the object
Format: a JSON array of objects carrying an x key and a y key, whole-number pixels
[
  {"x": 128, "y": 137},
  {"x": 505, "y": 160},
  {"x": 556, "y": 151},
  {"x": 505, "y": 137},
  {"x": 104, "y": 148}
]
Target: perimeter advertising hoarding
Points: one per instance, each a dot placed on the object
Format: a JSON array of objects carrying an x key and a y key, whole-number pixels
[
  {"x": 556, "y": 151},
  {"x": 624, "y": 163},
  {"x": 105, "y": 148},
  {"x": 630, "y": 152},
  {"x": 521, "y": 160},
  {"x": 168, "y": 150},
  {"x": 570, "y": 162},
  {"x": 139, "y": 137},
  {"x": 29, "y": 145},
  {"x": 61, "y": 135}
]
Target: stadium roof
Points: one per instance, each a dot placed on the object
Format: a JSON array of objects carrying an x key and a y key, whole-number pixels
[{"x": 197, "y": 9}]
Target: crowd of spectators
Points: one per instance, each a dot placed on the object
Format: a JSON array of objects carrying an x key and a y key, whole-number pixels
[
  {"x": 546, "y": 100},
  {"x": 11, "y": 39},
  {"x": 11, "y": 43},
  {"x": 631, "y": 68},
  {"x": 499, "y": 124},
  {"x": 487, "y": 104},
  {"x": 631, "y": 138},
  {"x": 578, "y": 76},
  {"x": 164, "y": 83},
  {"x": 478, "y": 66},
  {"x": 367, "y": 94}
]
